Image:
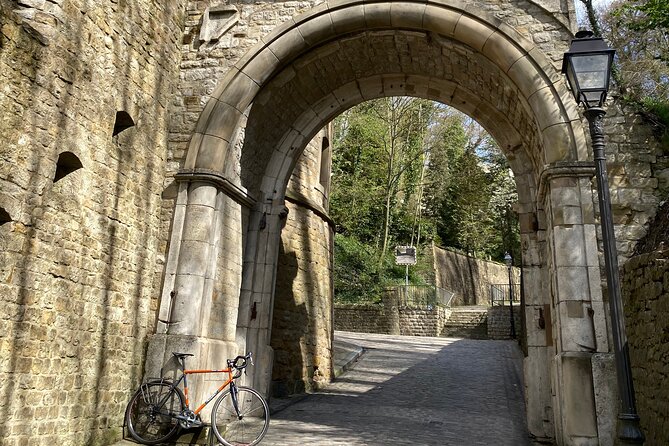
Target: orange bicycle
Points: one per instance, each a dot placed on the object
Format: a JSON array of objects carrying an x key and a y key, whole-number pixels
[{"x": 159, "y": 409}]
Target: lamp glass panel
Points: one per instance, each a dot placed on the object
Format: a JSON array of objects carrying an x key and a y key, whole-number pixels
[
  {"x": 591, "y": 70},
  {"x": 593, "y": 98}
]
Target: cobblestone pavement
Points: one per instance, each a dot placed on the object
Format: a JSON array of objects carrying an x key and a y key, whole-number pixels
[{"x": 414, "y": 391}]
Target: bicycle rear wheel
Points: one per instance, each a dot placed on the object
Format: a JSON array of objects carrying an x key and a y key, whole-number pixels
[
  {"x": 150, "y": 413},
  {"x": 246, "y": 429}
]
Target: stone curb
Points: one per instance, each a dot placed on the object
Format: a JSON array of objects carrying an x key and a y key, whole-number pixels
[{"x": 345, "y": 354}]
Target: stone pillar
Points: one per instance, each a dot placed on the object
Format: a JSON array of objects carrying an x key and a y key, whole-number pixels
[
  {"x": 189, "y": 285},
  {"x": 537, "y": 328},
  {"x": 577, "y": 310},
  {"x": 257, "y": 294}
]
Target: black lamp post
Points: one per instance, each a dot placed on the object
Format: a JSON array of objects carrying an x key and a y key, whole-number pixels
[
  {"x": 587, "y": 65},
  {"x": 509, "y": 266}
]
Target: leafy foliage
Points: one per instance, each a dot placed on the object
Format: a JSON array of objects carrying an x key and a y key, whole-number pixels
[
  {"x": 408, "y": 171},
  {"x": 638, "y": 30}
]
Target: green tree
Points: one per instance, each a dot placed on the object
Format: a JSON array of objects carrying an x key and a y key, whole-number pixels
[{"x": 639, "y": 31}]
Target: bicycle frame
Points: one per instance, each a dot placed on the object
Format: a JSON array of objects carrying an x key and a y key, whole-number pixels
[{"x": 184, "y": 378}]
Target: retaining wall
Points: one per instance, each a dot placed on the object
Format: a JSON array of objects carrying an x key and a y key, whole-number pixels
[{"x": 645, "y": 287}]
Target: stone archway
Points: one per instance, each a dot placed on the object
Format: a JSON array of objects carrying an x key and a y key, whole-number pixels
[{"x": 230, "y": 208}]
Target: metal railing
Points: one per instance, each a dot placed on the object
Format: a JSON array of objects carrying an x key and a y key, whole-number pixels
[
  {"x": 499, "y": 293},
  {"x": 422, "y": 296}
]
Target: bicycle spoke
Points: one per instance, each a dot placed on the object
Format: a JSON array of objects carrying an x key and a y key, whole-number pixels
[{"x": 246, "y": 429}]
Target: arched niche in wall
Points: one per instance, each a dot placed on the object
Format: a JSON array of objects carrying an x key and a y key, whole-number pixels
[
  {"x": 4, "y": 217},
  {"x": 123, "y": 121},
  {"x": 67, "y": 163}
]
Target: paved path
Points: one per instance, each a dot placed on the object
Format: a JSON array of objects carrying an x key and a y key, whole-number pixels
[{"x": 414, "y": 391}]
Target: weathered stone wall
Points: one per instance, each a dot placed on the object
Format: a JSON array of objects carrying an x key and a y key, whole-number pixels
[
  {"x": 416, "y": 322},
  {"x": 80, "y": 255},
  {"x": 361, "y": 318},
  {"x": 645, "y": 287},
  {"x": 499, "y": 322},
  {"x": 467, "y": 277},
  {"x": 379, "y": 319},
  {"x": 302, "y": 319},
  {"x": 638, "y": 174}
]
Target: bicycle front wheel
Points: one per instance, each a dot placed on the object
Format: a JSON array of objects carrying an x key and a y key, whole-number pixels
[
  {"x": 246, "y": 426},
  {"x": 150, "y": 413}
]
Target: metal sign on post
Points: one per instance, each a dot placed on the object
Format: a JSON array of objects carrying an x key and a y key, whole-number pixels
[{"x": 405, "y": 255}]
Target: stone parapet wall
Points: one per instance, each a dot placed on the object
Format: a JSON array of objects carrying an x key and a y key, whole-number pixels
[
  {"x": 645, "y": 288},
  {"x": 379, "y": 319},
  {"x": 361, "y": 318},
  {"x": 415, "y": 322}
]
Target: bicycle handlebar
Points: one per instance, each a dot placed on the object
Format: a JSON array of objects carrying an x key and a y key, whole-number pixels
[{"x": 240, "y": 362}]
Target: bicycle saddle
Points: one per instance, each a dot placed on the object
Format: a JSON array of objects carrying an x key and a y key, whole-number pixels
[{"x": 182, "y": 355}]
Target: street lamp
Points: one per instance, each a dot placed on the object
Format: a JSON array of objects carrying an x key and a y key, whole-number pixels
[
  {"x": 587, "y": 65},
  {"x": 509, "y": 266}
]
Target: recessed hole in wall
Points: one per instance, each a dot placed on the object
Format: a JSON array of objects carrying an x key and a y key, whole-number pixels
[
  {"x": 67, "y": 163},
  {"x": 123, "y": 121},
  {"x": 4, "y": 217}
]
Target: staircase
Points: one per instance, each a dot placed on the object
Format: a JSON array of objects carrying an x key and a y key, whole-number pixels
[{"x": 467, "y": 322}]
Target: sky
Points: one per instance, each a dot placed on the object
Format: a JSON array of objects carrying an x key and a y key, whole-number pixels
[{"x": 580, "y": 9}]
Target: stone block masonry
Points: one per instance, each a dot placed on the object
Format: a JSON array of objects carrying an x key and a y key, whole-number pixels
[
  {"x": 499, "y": 322},
  {"x": 645, "y": 287},
  {"x": 378, "y": 319},
  {"x": 80, "y": 253},
  {"x": 86, "y": 212}
]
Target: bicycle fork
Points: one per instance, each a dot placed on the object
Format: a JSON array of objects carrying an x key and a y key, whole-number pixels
[{"x": 234, "y": 394}]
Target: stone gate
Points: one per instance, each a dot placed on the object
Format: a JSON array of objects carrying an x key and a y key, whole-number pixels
[{"x": 165, "y": 185}]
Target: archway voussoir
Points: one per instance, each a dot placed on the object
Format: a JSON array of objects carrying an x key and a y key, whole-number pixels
[
  {"x": 223, "y": 120},
  {"x": 580, "y": 141},
  {"x": 348, "y": 95},
  {"x": 558, "y": 143},
  {"x": 203, "y": 120},
  {"x": 377, "y": 15},
  {"x": 211, "y": 153},
  {"x": 526, "y": 76},
  {"x": 545, "y": 65},
  {"x": 546, "y": 107},
  {"x": 348, "y": 20},
  {"x": 407, "y": 15},
  {"x": 567, "y": 99},
  {"x": 441, "y": 90},
  {"x": 501, "y": 51},
  {"x": 317, "y": 29},
  {"x": 514, "y": 36},
  {"x": 193, "y": 149},
  {"x": 473, "y": 33},
  {"x": 371, "y": 87},
  {"x": 307, "y": 119},
  {"x": 440, "y": 20},
  {"x": 464, "y": 101},
  {"x": 261, "y": 67},
  {"x": 394, "y": 84},
  {"x": 326, "y": 106},
  {"x": 240, "y": 92},
  {"x": 287, "y": 45}
]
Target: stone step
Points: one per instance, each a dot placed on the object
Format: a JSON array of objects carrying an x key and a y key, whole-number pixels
[{"x": 469, "y": 322}]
